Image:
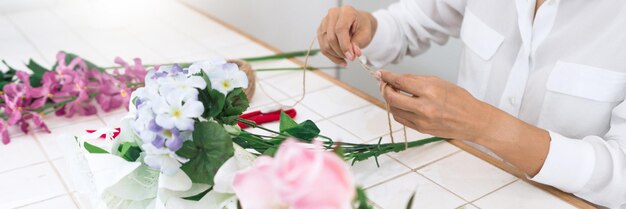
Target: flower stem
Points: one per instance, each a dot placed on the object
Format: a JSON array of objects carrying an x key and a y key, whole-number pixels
[{"x": 298, "y": 68}]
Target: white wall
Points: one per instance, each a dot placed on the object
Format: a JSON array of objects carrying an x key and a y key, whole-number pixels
[{"x": 291, "y": 24}]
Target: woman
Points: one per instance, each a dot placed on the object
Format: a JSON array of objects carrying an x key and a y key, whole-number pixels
[{"x": 541, "y": 84}]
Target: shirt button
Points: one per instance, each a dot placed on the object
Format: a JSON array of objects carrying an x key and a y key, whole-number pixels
[{"x": 512, "y": 101}]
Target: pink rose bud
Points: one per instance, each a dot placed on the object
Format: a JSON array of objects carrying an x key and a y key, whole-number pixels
[{"x": 301, "y": 176}]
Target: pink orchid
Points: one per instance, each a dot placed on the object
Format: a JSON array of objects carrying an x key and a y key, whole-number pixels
[
  {"x": 4, "y": 132},
  {"x": 38, "y": 121},
  {"x": 111, "y": 94},
  {"x": 76, "y": 62},
  {"x": 12, "y": 109},
  {"x": 132, "y": 73},
  {"x": 299, "y": 177},
  {"x": 44, "y": 92}
]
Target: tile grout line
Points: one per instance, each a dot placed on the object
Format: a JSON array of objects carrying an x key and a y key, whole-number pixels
[
  {"x": 56, "y": 171},
  {"x": 437, "y": 160},
  {"x": 24, "y": 166},
  {"x": 388, "y": 180},
  {"x": 331, "y": 117},
  {"x": 495, "y": 190},
  {"x": 32, "y": 203},
  {"x": 455, "y": 194}
]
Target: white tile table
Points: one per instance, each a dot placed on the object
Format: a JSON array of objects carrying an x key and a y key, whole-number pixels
[{"x": 33, "y": 171}]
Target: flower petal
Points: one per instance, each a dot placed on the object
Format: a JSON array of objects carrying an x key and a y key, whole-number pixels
[
  {"x": 193, "y": 109},
  {"x": 184, "y": 123},
  {"x": 165, "y": 121}
]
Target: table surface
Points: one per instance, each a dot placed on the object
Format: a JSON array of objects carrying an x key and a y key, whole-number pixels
[{"x": 33, "y": 173}]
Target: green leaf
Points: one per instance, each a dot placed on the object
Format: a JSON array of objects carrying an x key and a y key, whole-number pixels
[
  {"x": 129, "y": 151},
  {"x": 286, "y": 122},
  {"x": 285, "y": 55},
  {"x": 306, "y": 130},
  {"x": 210, "y": 148},
  {"x": 38, "y": 71},
  {"x": 198, "y": 196},
  {"x": 94, "y": 149},
  {"x": 270, "y": 151},
  {"x": 7, "y": 77},
  {"x": 361, "y": 199},
  {"x": 410, "y": 204},
  {"x": 236, "y": 102},
  {"x": 212, "y": 99},
  {"x": 213, "y": 102}
]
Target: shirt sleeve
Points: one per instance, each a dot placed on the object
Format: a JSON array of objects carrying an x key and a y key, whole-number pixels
[
  {"x": 409, "y": 26},
  {"x": 593, "y": 168}
]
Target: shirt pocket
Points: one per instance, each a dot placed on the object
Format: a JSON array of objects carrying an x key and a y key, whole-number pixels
[
  {"x": 481, "y": 43},
  {"x": 579, "y": 99}
]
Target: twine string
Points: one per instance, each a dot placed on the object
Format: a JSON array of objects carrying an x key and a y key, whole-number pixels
[{"x": 364, "y": 67}]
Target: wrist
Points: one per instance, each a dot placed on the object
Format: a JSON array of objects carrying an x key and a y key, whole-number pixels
[
  {"x": 498, "y": 128},
  {"x": 373, "y": 25}
]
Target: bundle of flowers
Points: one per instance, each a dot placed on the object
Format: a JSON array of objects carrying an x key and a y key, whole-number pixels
[
  {"x": 69, "y": 88},
  {"x": 181, "y": 147}
]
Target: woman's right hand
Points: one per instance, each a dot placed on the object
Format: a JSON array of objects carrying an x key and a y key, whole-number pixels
[{"x": 343, "y": 32}]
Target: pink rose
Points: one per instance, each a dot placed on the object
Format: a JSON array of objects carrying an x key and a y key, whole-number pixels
[{"x": 300, "y": 176}]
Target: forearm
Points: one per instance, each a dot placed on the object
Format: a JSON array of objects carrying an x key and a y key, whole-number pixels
[{"x": 517, "y": 142}]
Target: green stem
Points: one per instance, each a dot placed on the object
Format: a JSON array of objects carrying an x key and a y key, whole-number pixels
[
  {"x": 285, "y": 55},
  {"x": 298, "y": 68}
]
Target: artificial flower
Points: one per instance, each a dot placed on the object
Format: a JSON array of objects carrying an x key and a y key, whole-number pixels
[
  {"x": 298, "y": 177},
  {"x": 162, "y": 159},
  {"x": 4, "y": 132},
  {"x": 172, "y": 111},
  {"x": 182, "y": 85},
  {"x": 12, "y": 109},
  {"x": 171, "y": 138},
  {"x": 206, "y": 66},
  {"x": 227, "y": 78}
]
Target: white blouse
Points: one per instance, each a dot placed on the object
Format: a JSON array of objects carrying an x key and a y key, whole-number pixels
[{"x": 563, "y": 70}]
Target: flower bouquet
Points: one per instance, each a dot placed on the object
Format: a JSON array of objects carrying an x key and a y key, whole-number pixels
[
  {"x": 180, "y": 147},
  {"x": 69, "y": 88}
]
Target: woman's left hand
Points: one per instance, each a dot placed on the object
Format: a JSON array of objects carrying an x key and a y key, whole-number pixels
[{"x": 434, "y": 106}]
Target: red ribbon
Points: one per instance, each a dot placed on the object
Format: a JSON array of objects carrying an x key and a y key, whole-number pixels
[{"x": 260, "y": 118}]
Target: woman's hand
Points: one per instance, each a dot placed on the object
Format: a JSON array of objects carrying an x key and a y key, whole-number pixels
[
  {"x": 433, "y": 106},
  {"x": 343, "y": 32}
]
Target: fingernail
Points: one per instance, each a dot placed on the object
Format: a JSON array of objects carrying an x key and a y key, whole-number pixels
[
  {"x": 344, "y": 64},
  {"x": 349, "y": 55},
  {"x": 379, "y": 74}
]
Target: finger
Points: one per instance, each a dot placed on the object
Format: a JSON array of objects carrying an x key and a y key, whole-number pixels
[
  {"x": 324, "y": 47},
  {"x": 326, "y": 51},
  {"x": 331, "y": 35},
  {"x": 322, "y": 28},
  {"x": 334, "y": 59},
  {"x": 399, "y": 100},
  {"x": 357, "y": 50},
  {"x": 343, "y": 28},
  {"x": 403, "y": 82}
]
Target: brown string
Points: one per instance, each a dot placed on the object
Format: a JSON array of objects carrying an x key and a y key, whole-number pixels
[
  {"x": 365, "y": 67},
  {"x": 387, "y": 108},
  {"x": 304, "y": 69}
]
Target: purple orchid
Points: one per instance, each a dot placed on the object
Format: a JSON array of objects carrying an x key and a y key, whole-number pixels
[
  {"x": 71, "y": 88},
  {"x": 12, "y": 109},
  {"x": 4, "y": 132}
]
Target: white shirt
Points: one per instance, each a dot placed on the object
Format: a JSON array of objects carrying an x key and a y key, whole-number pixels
[{"x": 564, "y": 71}]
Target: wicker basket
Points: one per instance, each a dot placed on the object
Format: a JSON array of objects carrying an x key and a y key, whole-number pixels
[{"x": 246, "y": 68}]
